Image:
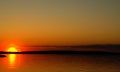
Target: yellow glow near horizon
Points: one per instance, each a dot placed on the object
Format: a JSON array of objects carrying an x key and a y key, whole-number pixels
[{"x": 12, "y": 49}]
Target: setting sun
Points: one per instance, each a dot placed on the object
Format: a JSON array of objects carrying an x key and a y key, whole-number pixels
[{"x": 12, "y": 49}]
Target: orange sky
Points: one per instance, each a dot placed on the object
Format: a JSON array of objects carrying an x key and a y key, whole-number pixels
[{"x": 60, "y": 22}]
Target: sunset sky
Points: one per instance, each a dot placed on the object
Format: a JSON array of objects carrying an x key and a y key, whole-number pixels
[{"x": 60, "y": 22}]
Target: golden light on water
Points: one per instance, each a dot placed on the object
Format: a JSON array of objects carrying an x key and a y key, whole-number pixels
[{"x": 12, "y": 60}]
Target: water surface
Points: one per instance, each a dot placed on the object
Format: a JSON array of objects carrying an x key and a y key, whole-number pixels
[{"x": 59, "y": 63}]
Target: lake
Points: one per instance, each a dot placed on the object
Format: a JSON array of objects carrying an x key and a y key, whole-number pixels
[{"x": 59, "y": 63}]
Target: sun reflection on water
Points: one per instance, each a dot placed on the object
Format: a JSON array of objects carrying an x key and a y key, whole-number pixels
[{"x": 12, "y": 60}]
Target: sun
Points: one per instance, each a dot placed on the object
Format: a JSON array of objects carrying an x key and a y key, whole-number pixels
[{"x": 12, "y": 49}]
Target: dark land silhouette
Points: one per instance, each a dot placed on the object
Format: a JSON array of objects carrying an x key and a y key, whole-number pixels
[
  {"x": 63, "y": 52},
  {"x": 109, "y": 49},
  {"x": 2, "y": 56}
]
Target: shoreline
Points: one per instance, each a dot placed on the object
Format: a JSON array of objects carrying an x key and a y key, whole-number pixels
[
  {"x": 63, "y": 52},
  {"x": 2, "y": 55}
]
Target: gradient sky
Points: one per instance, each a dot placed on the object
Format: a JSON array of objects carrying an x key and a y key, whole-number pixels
[{"x": 60, "y": 22}]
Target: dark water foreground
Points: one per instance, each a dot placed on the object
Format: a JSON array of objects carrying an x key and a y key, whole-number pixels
[{"x": 60, "y": 63}]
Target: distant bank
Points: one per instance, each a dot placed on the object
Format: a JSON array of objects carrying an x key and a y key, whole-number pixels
[
  {"x": 61, "y": 52},
  {"x": 2, "y": 56}
]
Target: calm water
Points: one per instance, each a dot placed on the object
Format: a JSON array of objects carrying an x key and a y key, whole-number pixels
[{"x": 59, "y": 63}]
